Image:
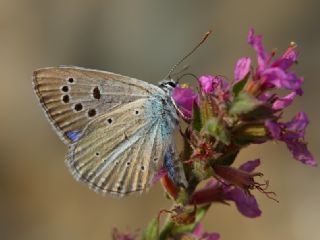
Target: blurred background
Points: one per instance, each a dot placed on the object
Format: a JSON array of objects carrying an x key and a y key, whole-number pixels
[{"x": 38, "y": 197}]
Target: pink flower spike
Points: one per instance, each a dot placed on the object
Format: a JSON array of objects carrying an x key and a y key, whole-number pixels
[{"x": 242, "y": 68}]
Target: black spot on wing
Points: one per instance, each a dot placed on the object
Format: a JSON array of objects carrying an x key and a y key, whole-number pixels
[
  {"x": 78, "y": 107},
  {"x": 66, "y": 98},
  {"x": 92, "y": 112},
  {"x": 96, "y": 93}
]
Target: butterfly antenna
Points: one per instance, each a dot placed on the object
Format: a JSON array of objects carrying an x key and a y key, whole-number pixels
[{"x": 189, "y": 54}]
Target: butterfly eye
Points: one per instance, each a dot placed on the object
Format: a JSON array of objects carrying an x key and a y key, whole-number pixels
[{"x": 172, "y": 84}]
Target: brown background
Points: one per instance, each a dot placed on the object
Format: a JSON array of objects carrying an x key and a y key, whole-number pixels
[{"x": 38, "y": 197}]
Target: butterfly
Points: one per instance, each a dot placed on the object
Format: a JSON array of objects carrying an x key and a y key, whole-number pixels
[{"x": 118, "y": 129}]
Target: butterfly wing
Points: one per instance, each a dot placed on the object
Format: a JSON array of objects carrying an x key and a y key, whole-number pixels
[
  {"x": 72, "y": 97},
  {"x": 121, "y": 150},
  {"x": 174, "y": 166}
]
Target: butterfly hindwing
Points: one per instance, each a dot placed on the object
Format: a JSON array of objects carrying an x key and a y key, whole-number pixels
[
  {"x": 72, "y": 97},
  {"x": 121, "y": 150}
]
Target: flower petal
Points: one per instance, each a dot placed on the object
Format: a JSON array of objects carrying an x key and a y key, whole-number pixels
[
  {"x": 274, "y": 129},
  {"x": 287, "y": 59},
  {"x": 211, "y": 236},
  {"x": 256, "y": 43},
  {"x": 246, "y": 204},
  {"x": 292, "y": 133},
  {"x": 216, "y": 84},
  {"x": 298, "y": 124},
  {"x": 212, "y": 192},
  {"x": 277, "y": 77},
  {"x": 265, "y": 96},
  {"x": 301, "y": 153},
  {"x": 207, "y": 83},
  {"x": 284, "y": 102},
  {"x": 242, "y": 68},
  {"x": 198, "y": 230},
  {"x": 250, "y": 166},
  {"x": 184, "y": 99}
]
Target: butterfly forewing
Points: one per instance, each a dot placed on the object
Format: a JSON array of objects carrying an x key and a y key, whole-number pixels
[
  {"x": 72, "y": 96},
  {"x": 121, "y": 150}
]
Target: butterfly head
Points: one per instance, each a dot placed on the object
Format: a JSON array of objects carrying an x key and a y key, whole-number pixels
[{"x": 168, "y": 85}]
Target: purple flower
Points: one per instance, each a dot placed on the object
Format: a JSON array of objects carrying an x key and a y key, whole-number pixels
[
  {"x": 276, "y": 77},
  {"x": 278, "y": 103},
  {"x": 214, "y": 191},
  {"x": 184, "y": 99},
  {"x": 215, "y": 85},
  {"x": 208, "y": 83},
  {"x": 242, "y": 68},
  {"x": 238, "y": 177},
  {"x": 199, "y": 233},
  {"x": 274, "y": 74},
  {"x": 250, "y": 166},
  {"x": 234, "y": 187},
  {"x": 246, "y": 203},
  {"x": 292, "y": 133},
  {"x": 256, "y": 43},
  {"x": 287, "y": 59},
  {"x": 283, "y": 102}
]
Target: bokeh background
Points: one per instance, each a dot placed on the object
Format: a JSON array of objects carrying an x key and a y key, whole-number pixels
[{"x": 38, "y": 197}]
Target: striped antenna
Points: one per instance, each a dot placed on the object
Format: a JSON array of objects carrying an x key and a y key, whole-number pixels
[{"x": 205, "y": 37}]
